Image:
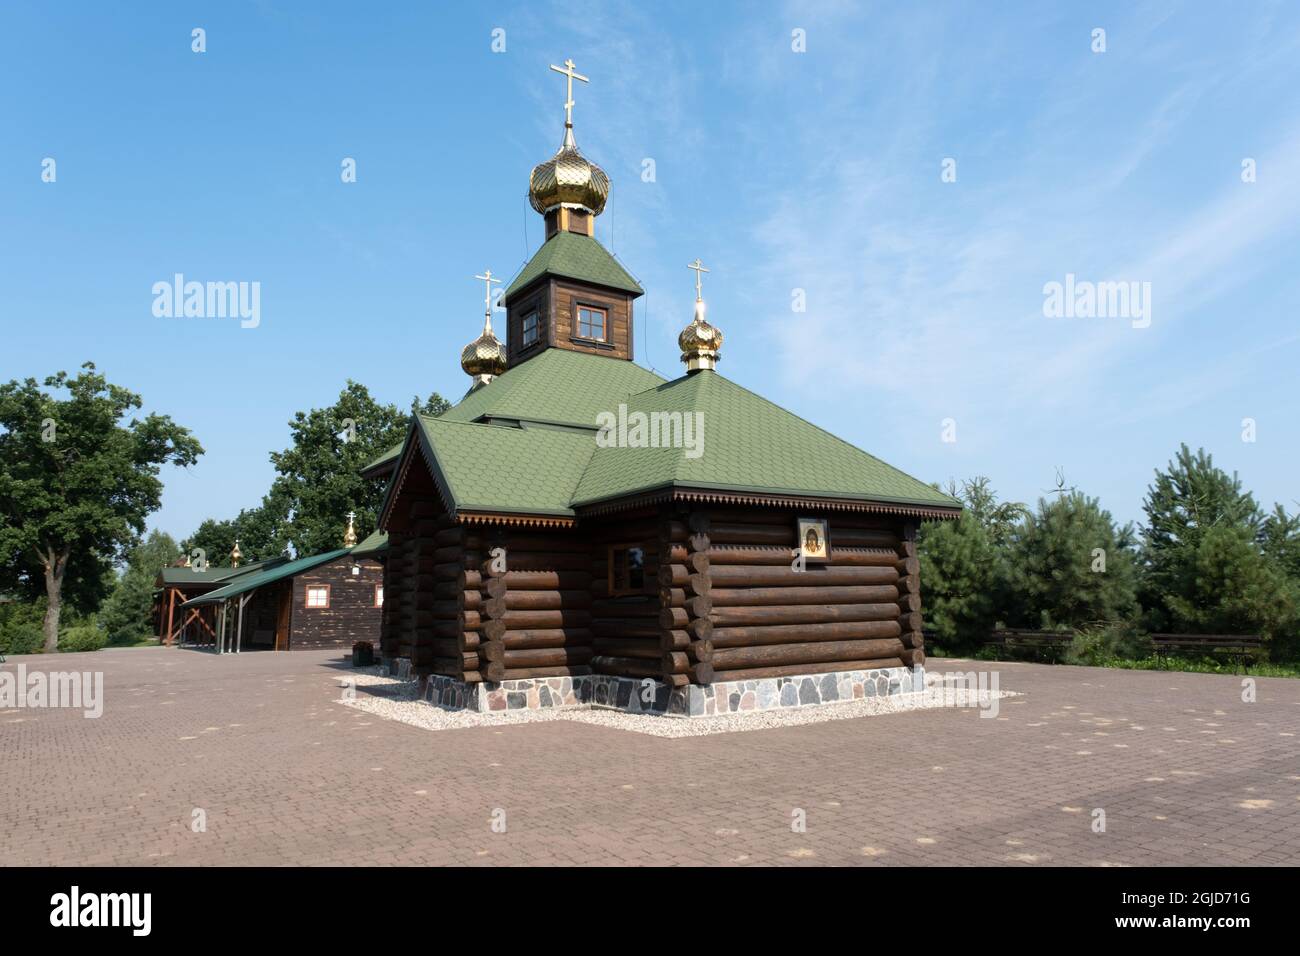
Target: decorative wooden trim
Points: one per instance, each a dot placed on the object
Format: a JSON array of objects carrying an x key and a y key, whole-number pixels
[
  {"x": 306, "y": 597},
  {"x": 924, "y": 512},
  {"x": 525, "y": 521}
]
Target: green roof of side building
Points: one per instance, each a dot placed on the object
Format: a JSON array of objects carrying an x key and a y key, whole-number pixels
[
  {"x": 250, "y": 582},
  {"x": 374, "y": 543},
  {"x": 571, "y": 256}
]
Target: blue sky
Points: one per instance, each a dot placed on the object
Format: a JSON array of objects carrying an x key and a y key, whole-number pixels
[{"x": 783, "y": 170}]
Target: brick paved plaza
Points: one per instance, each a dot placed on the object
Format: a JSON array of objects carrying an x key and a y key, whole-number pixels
[{"x": 1186, "y": 773}]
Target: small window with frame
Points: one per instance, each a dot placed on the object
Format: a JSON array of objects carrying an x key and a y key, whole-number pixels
[
  {"x": 318, "y": 595},
  {"x": 592, "y": 322},
  {"x": 379, "y": 595},
  {"x": 531, "y": 329},
  {"x": 626, "y": 569}
]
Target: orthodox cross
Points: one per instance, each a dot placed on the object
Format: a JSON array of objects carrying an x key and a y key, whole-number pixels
[
  {"x": 487, "y": 279},
  {"x": 699, "y": 268},
  {"x": 568, "y": 71}
]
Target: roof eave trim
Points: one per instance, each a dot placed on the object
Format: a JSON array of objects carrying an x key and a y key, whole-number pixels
[{"x": 773, "y": 499}]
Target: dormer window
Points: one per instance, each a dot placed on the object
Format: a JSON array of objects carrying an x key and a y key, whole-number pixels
[{"x": 530, "y": 329}]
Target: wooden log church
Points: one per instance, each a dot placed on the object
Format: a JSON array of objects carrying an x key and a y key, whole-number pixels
[{"x": 577, "y": 525}]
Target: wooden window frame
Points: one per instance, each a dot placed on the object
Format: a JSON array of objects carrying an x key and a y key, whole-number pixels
[
  {"x": 379, "y": 595},
  {"x": 306, "y": 597},
  {"x": 609, "y": 559},
  {"x": 577, "y": 321},
  {"x": 536, "y": 315}
]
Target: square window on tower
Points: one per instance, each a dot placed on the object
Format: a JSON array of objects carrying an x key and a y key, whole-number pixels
[
  {"x": 530, "y": 329},
  {"x": 591, "y": 323}
]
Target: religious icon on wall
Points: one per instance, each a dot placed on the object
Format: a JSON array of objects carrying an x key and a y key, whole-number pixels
[{"x": 813, "y": 540}]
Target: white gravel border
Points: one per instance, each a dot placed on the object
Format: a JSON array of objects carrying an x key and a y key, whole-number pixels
[{"x": 394, "y": 699}]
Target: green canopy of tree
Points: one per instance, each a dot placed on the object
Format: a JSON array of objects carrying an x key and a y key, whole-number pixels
[
  {"x": 963, "y": 566},
  {"x": 76, "y": 485},
  {"x": 1071, "y": 566},
  {"x": 317, "y": 480},
  {"x": 125, "y": 614}
]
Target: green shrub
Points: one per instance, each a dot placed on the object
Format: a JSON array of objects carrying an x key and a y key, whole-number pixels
[
  {"x": 20, "y": 628},
  {"x": 83, "y": 637},
  {"x": 1100, "y": 645}
]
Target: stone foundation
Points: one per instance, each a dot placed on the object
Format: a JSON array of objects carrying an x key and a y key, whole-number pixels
[{"x": 647, "y": 696}]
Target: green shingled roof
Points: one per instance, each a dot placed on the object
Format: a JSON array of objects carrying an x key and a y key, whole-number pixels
[
  {"x": 501, "y": 468},
  {"x": 389, "y": 456},
  {"x": 571, "y": 256},
  {"x": 374, "y": 543},
  {"x": 249, "y": 582},
  {"x": 557, "y": 386},
  {"x": 749, "y": 444}
]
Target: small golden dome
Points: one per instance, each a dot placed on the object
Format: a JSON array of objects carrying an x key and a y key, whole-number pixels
[
  {"x": 485, "y": 356},
  {"x": 700, "y": 342},
  {"x": 568, "y": 179}
]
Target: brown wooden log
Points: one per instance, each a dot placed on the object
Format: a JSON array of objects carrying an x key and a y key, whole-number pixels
[
  {"x": 529, "y": 673},
  {"x": 675, "y": 662},
  {"x": 909, "y": 602},
  {"x": 909, "y": 566},
  {"x": 791, "y": 670},
  {"x": 699, "y": 521},
  {"x": 627, "y": 647},
  {"x": 493, "y": 671},
  {"x": 909, "y": 584},
  {"x": 672, "y": 597},
  {"x": 702, "y": 673},
  {"x": 911, "y": 621},
  {"x": 750, "y": 555},
  {"x": 701, "y": 606},
  {"x": 547, "y": 637},
  {"x": 761, "y": 597},
  {"x": 778, "y": 634},
  {"x": 494, "y": 608},
  {"x": 625, "y": 607},
  {"x": 803, "y": 614},
  {"x": 644, "y": 628},
  {"x": 450, "y": 536},
  {"x": 700, "y": 628},
  {"x": 539, "y": 561},
  {"x": 912, "y": 639},
  {"x": 546, "y": 657},
  {"x": 675, "y": 640},
  {"x": 678, "y": 680},
  {"x": 626, "y": 666},
  {"x": 912, "y": 656},
  {"x": 906, "y": 549},
  {"x": 493, "y": 630},
  {"x": 699, "y": 541},
  {"x": 860, "y": 538},
  {"x": 523, "y": 620},
  {"x": 546, "y": 544},
  {"x": 469, "y": 579},
  {"x": 547, "y": 600},
  {"x": 674, "y": 617},
  {"x": 700, "y": 651},
  {"x": 816, "y": 652},
  {"x": 495, "y": 587},
  {"x": 547, "y": 580},
  {"x": 492, "y": 651},
  {"x": 814, "y": 576}
]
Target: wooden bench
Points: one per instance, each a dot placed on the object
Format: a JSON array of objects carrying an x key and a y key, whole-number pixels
[
  {"x": 1009, "y": 639},
  {"x": 1240, "y": 647}
]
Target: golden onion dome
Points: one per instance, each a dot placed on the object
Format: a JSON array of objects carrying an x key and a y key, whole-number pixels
[
  {"x": 700, "y": 342},
  {"x": 485, "y": 356},
  {"x": 568, "y": 179}
]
